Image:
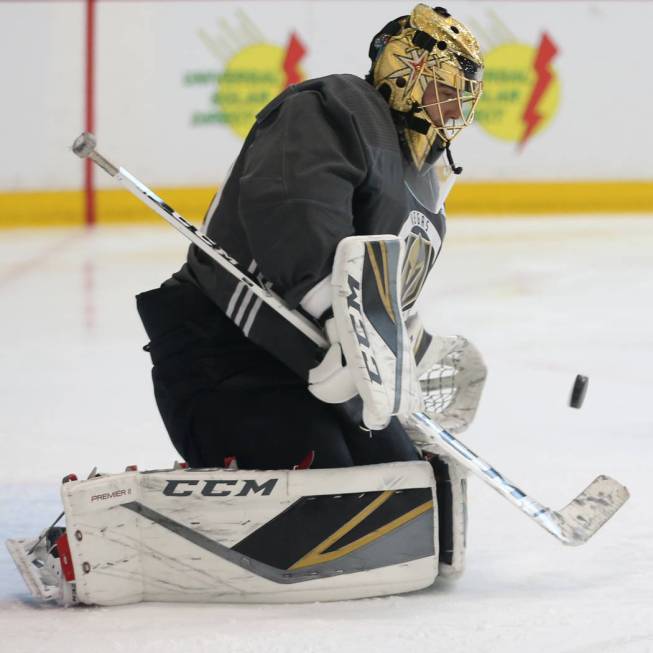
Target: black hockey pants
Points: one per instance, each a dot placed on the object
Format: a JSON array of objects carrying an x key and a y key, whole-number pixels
[{"x": 220, "y": 395}]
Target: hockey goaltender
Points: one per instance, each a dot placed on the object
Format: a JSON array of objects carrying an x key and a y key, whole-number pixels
[
  {"x": 315, "y": 413},
  {"x": 336, "y": 202},
  {"x": 329, "y": 165}
]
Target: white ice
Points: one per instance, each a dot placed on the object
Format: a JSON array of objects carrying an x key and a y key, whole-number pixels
[{"x": 544, "y": 299}]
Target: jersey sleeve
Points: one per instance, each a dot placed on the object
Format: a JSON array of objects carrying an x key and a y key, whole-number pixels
[{"x": 297, "y": 189}]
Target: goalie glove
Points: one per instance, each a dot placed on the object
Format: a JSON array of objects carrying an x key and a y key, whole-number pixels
[
  {"x": 367, "y": 330},
  {"x": 451, "y": 375}
]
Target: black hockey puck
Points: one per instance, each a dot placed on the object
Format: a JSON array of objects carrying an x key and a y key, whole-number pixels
[{"x": 579, "y": 391}]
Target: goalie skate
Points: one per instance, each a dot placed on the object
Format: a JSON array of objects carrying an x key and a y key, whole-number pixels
[{"x": 45, "y": 565}]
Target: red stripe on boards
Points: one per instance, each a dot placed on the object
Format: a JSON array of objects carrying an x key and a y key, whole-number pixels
[{"x": 89, "y": 119}]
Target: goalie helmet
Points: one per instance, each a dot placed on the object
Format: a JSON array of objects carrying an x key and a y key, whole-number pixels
[{"x": 411, "y": 53}]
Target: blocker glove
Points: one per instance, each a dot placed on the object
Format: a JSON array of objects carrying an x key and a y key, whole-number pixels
[{"x": 370, "y": 353}]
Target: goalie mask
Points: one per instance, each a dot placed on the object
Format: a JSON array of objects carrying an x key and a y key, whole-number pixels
[{"x": 428, "y": 67}]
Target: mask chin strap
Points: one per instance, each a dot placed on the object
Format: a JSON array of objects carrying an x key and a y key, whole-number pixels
[
  {"x": 456, "y": 169},
  {"x": 407, "y": 120}
]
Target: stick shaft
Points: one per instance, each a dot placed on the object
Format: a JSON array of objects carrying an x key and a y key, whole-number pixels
[
  {"x": 97, "y": 158},
  {"x": 207, "y": 245},
  {"x": 464, "y": 456}
]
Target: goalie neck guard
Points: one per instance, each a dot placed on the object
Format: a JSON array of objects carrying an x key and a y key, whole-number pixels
[{"x": 427, "y": 50}]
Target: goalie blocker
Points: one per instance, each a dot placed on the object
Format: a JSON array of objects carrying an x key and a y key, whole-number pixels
[
  {"x": 367, "y": 333},
  {"x": 217, "y": 535}
]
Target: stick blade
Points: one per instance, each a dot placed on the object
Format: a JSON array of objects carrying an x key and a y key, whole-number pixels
[{"x": 592, "y": 508}]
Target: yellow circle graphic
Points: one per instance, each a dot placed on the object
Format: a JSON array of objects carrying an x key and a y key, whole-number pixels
[
  {"x": 521, "y": 92},
  {"x": 249, "y": 81}
]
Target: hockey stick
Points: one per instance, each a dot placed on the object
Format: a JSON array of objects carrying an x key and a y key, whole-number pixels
[{"x": 573, "y": 525}]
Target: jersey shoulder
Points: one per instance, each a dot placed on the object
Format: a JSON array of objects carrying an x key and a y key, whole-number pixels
[{"x": 346, "y": 99}]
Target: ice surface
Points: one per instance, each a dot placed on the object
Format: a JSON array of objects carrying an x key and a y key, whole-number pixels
[{"x": 544, "y": 299}]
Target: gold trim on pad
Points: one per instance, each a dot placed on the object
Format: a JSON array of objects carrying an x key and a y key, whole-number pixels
[
  {"x": 381, "y": 277},
  {"x": 316, "y": 555}
]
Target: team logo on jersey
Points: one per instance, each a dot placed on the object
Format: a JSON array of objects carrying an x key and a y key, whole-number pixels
[
  {"x": 421, "y": 246},
  {"x": 253, "y": 72},
  {"x": 419, "y": 259},
  {"x": 521, "y": 89}
]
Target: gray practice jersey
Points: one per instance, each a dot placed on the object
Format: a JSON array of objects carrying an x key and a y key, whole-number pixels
[{"x": 322, "y": 162}]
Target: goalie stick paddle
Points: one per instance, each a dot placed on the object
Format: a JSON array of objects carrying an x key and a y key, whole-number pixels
[{"x": 573, "y": 525}]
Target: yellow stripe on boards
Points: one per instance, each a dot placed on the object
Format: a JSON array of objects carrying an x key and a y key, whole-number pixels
[
  {"x": 538, "y": 198},
  {"x": 115, "y": 206},
  {"x": 120, "y": 206},
  {"x": 41, "y": 209},
  {"x": 112, "y": 206}
]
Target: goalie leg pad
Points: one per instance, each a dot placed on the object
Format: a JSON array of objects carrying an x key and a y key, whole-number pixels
[
  {"x": 253, "y": 536},
  {"x": 451, "y": 483}
]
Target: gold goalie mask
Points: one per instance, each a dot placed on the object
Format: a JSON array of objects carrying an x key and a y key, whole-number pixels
[{"x": 427, "y": 53}]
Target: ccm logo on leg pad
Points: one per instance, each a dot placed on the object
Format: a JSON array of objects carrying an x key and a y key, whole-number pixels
[{"x": 219, "y": 488}]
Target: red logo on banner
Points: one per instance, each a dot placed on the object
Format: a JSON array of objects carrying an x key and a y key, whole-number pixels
[
  {"x": 294, "y": 54},
  {"x": 545, "y": 53}
]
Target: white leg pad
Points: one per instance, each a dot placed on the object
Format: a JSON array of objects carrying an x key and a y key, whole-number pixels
[
  {"x": 452, "y": 508},
  {"x": 253, "y": 536}
]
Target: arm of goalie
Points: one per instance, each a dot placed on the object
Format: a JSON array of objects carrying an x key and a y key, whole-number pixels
[
  {"x": 451, "y": 373},
  {"x": 368, "y": 330}
]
